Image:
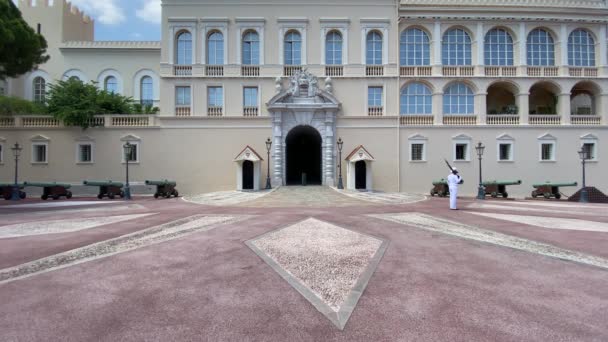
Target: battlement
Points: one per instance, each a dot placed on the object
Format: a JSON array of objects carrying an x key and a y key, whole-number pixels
[
  {"x": 69, "y": 10},
  {"x": 58, "y": 20}
]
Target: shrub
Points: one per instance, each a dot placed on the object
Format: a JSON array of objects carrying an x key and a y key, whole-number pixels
[{"x": 16, "y": 106}]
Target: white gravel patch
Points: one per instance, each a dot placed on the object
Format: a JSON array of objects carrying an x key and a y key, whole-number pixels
[
  {"x": 550, "y": 222},
  {"x": 383, "y": 197},
  {"x": 62, "y": 226},
  {"x": 146, "y": 237},
  {"x": 325, "y": 258},
  {"x": 223, "y": 198},
  {"x": 452, "y": 228}
]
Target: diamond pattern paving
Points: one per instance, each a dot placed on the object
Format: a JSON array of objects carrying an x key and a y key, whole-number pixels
[{"x": 329, "y": 265}]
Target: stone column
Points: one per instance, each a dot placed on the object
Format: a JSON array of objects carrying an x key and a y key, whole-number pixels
[
  {"x": 603, "y": 51},
  {"x": 438, "y": 108},
  {"x": 479, "y": 56},
  {"x": 277, "y": 149},
  {"x": 523, "y": 106},
  {"x": 329, "y": 168},
  {"x": 563, "y": 107},
  {"x": 602, "y": 107},
  {"x": 437, "y": 49},
  {"x": 481, "y": 107},
  {"x": 522, "y": 46},
  {"x": 563, "y": 53}
]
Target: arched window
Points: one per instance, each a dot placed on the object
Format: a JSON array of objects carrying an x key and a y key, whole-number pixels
[
  {"x": 541, "y": 50},
  {"x": 581, "y": 48},
  {"x": 333, "y": 48},
  {"x": 498, "y": 48},
  {"x": 251, "y": 48},
  {"x": 374, "y": 48},
  {"x": 215, "y": 48},
  {"x": 147, "y": 91},
  {"x": 39, "y": 90},
  {"x": 458, "y": 99},
  {"x": 293, "y": 48},
  {"x": 456, "y": 48},
  {"x": 416, "y": 98},
  {"x": 110, "y": 84},
  {"x": 183, "y": 53},
  {"x": 414, "y": 47}
]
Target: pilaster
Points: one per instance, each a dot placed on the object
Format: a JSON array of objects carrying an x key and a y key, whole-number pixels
[
  {"x": 563, "y": 105},
  {"x": 523, "y": 106}
]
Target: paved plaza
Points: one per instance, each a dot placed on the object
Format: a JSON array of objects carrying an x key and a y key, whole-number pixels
[{"x": 303, "y": 264}]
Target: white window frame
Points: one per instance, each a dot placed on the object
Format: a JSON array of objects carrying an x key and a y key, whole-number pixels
[
  {"x": 340, "y": 25},
  {"x": 213, "y": 85},
  {"x": 467, "y": 150},
  {"x": 375, "y": 85},
  {"x": 373, "y": 24},
  {"x": 46, "y": 152},
  {"x": 78, "y": 154},
  {"x": 505, "y": 139},
  {"x": 137, "y": 147},
  {"x": 553, "y": 143},
  {"x": 182, "y": 24},
  {"x": 591, "y": 139},
  {"x": 191, "y": 94},
  {"x": 103, "y": 76},
  {"x": 292, "y": 24},
  {"x": 420, "y": 141},
  {"x": 249, "y": 24},
  {"x": 245, "y": 85}
]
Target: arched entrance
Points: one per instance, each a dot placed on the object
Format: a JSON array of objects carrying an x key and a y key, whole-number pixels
[
  {"x": 247, "y": 175},
  {"x": 303, "y": 150},
  {"x": 360, "y": 175}
]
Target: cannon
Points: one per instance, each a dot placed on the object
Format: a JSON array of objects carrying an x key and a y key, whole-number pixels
[
  {"x": 6, "y": 191},
  {"x": 164, "y": 188},
  {"x": 52, "y": 190},
  {"x": 107, "y": 189},
  {"x": 440, "y": 188},
  {"x": 548, "y": 189},
  {"x": 496, "y": 188}
]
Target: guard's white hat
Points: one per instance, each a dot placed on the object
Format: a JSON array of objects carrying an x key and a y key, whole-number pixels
[{"x": 454, "y": 169}]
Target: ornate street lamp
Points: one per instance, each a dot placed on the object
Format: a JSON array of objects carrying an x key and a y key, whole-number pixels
[
  {"x": 481, "y": 192},
  {"x": 128, "y": 149},
  {"x": 268, "y": 146},
  {"x": 340, "y": 144},
  {"x": 584, "y": 155},
  {"x": 15, "y": 196}
]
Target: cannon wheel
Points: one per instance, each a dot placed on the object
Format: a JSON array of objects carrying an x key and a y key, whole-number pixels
[
  {"x": 68, "y": 195},
  {"x": 505, "y": 195},
  {"x": 44, "y": 197},
  {"x": 168, "y": 195},
  {"x": 534, "y": 194},
  {"x": 175, "y": 193},
  {"x": 444, "y": 194},
  {"x": 7, "y": 198},
  {"x": 494, "y": 195},
  {"x": 547, "y": 195},
  {"x": 558, "y": 196},
  {"x": 156, "y": 195},
  {"x": 100, "y": 196},
  {"x": 111, "y": 196},
  {"x": 22, "y": 194},
  {"x": 122, "y": 194},
  {"x": 432, "y": 193}
]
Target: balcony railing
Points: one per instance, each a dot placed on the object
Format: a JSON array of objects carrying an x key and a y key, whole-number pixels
[
  {"x": 502, "y": 119},
  {"x": 7, "y": 122},
  {"x": 334, "y": 70},
  {"x": 416, "y": 120},
  {"x": 250, "y": 70},
  {"x": 458, "y": 71},
  {"x": 40, "y": 122},
  {"x": 290, "y": 70},
  {"x": 182, "y": 70},
  {"x": 215, "y": 111},
  {"x": 374, "y": 70},
  {"x": 97, "y": 121},
  {"x": 590, "y": 120},
  {"x": 545, "y": 119},
  {"x": 543, "y": 71},
  {"x": 459, "y": 119},
  {"x": 250, "y": 111},
  {"x": 183, "y": 111},
  {"x": 416, "y": 71},
  {"x": 375, "y": 110},
  {"x": 130, "y": 121},
  {"x": 582, "y": 72},
  {"x": 214, "y": 70},
  {"x": 500, "y": 71}
]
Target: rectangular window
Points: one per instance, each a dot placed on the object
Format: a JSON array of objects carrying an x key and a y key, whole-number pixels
[
  {"x": 1, "y": 154},
  {"x": 215, "y": 96},
  {"x": 589, "y": 149},
  {"x": 417, "y": 152},
  {"x": 250, "y": 96},
  {"x": 133, "y": 155},
  {"x": 182, "y": 96},
  {"x": 461, "y": 152},
  {"x": 547, "y": 152},
  {"x": 504, "y": 152},
  {"x": 374, "y": 96},
  {"x": 85, "y": 153},
  {"x": 39, "y": 153}
]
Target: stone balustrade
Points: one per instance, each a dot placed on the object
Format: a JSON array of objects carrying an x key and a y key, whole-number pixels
[
  {"x": 250, "y": 111},
  {"x": 374, "y": 70},
  {"x": 500, "y": 71},
  {"x": 182, "y": 70},
  {"x": 250, "y": 70},
  {"x": 183, "y": 111},
  {"x": 460, "y": 120},
  {"x": 587, "y": 120},
  {"x": 290, "y": 70},
  {"x": 129, "y": 121},
  {"x": 416, "y": 120},
  {"x": 502, "y": 119},
  {"x": 7, "y": 122},
  {"x": 214, "y": 70},
  {"x": 582, "y": 72},
  {"x": 215, "y": 111},
  {"x": 334, "y": 70},
  {"x": 545, "y": 71},
  {"x": 458, "y": 71},
  {"x": 406, "y": 71},
  {"x": 375, "y": 111},
  {"x": 545, "y": 119},
  {"x": 39, "y": 121}
]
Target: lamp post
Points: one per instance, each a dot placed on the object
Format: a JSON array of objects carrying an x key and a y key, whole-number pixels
[
  {"x": 15, "y": 195},
  {"x": 584, "y": 155},
  {"x": 481, "y": 191},
  {"x": 268, "y": 146},
  {"x": 340, "y": 144},
  {"x": 128, "y": 149}
]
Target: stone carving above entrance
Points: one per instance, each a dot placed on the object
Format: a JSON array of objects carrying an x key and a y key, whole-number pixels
[{"x": 303, "y": 88}]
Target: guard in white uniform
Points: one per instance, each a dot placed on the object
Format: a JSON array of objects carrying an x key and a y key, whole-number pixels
[{"x": 454, "y": 180}]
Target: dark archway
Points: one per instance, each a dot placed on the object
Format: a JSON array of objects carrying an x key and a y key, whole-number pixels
[
  {"x": 303, "y": 150},
  {"x": 360, "y": 175},
  {"x": 247, "y": 175}
]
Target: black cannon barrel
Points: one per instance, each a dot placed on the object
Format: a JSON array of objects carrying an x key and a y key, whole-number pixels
[
  {"x": 47, "y": 185},
  {"x": 102, "y": 183},
  {"x": 161, "y": 182}
]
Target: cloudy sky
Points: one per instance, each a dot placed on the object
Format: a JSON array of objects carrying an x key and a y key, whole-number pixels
[{"x": 123, "y": 19}]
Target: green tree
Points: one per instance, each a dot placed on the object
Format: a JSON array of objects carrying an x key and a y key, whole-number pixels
[
  {"x": 76, "y": 103},
  {"x": 21, "y": 48}
]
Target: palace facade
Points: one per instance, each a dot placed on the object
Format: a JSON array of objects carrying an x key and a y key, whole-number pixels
[{"x": 404, "y": 84}]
